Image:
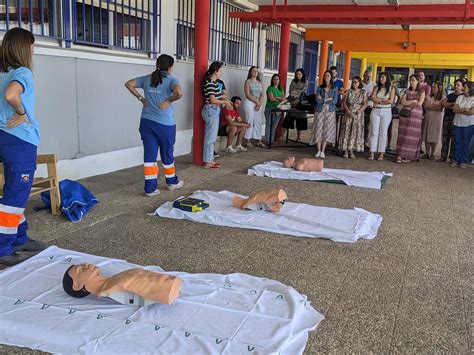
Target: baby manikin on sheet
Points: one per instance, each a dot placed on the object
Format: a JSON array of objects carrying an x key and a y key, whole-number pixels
[
  {"x": 214, "y": 314},
  {"x": 367, "y": 179},
  {"x": 296, "y": 219}
]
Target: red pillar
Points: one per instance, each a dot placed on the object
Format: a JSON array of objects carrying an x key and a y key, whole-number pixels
[
  {"x": 203, "y": 10},
  {"x": 323, "y": 60},
  {"x": 283, "y": 64},
  {"x": 347, "y": 70}
]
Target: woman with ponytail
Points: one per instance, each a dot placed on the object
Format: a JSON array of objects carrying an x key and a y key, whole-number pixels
[
  {"x": 212, "y": 88},
  {"x": 157, "y": 124}
]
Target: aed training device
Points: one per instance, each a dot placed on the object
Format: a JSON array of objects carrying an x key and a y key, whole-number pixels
[{"x": 190, "y": 204}]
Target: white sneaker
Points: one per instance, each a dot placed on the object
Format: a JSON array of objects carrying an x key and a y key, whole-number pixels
[
  {"x": 151, "y": 194},
  {"x": 317, "y": 155},
  {"x": 229, "y": 149},
  {"x": 322, "y": 155},
  {"x": 179, "y": 185},
  {"x": 239, "y": 148}
]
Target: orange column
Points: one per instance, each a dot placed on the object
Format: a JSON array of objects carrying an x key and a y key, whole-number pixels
[
  {"x": 323, "y": 60},
  {"x": 347, "y": 70}
]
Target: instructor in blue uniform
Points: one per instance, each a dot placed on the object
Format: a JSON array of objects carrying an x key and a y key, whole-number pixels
[
  {"x": 19, "y": 138},
  {"x": 157, "y": 124}
]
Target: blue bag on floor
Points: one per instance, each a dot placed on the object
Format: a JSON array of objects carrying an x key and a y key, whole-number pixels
[{"x": 76, "y": 200}]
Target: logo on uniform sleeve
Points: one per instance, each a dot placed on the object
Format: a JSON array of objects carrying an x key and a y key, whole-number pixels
[{"x": 25, "y": 178}]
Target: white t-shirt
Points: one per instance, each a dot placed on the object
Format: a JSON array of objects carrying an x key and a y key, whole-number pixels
[
  {"x": 461, "y": 120},
  {"x": 369, "y": 87}
]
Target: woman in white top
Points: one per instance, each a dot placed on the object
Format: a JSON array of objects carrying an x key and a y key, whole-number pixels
[
  {"x": 381, "y": 115},
  {"x": 253, "y": 107},
  {"x": 463, "y": 125}
]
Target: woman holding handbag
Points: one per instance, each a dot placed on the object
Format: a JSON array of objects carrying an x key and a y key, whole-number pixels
[{"x": 410, "y": 122}]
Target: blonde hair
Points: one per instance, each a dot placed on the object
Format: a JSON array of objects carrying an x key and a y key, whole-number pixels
[{"x": 16, "y": 49}]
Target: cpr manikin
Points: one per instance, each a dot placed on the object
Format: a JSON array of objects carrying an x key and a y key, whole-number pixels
[
  {"x": 133, "y": 287},
  {"x": 271, "y": 201},
  {"x": 305, "y": 164}
]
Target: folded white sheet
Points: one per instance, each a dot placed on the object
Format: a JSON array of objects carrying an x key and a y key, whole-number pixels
[
  {"x": 214, "y": 314},
  {"x": 297, "y": 219},
  {"x": 368, "y": 179}
]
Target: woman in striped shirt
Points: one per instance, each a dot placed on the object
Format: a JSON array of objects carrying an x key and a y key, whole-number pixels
[{"x": 210, "y": 113}]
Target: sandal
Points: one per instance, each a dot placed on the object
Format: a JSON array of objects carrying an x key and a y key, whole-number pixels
[
  {"x": 380, "y": 158},
  {"x": 441, "y": 160},
  {"x": 261, "y": 145},
  {"x": 406, "y": 161},
  {"x": 345, "y": 156},
  {"x": 371, "y": 156},
  {"x": 399, "y": 160},
  {"x": 212, "y": 165},
  {"x": 432, "y": 157},
  {"x": 425, "y": 156},
  {"x": 351, "y": 155}
]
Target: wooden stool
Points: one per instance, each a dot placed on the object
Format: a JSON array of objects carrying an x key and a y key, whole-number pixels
[{"x": 48, "y": 183}]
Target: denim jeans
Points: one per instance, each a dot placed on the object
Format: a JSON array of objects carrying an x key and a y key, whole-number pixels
[
  {"x": 211, "y": 115},
  {"x": 274, "y": 122}
]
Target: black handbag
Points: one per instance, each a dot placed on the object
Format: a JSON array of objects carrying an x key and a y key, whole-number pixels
[{"x": 404, "y": 112}]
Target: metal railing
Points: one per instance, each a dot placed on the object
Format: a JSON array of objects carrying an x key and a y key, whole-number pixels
[
  {"x": 230, "y": 40},
  {"x": 123, "y": 24}
]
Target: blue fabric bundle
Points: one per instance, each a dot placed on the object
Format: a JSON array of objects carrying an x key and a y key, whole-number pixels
[{"x": 76, "y": 200}]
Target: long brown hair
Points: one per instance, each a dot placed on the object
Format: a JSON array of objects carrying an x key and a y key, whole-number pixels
[
  {"x": 440, "y": 95},
  {"x": 163, "y": 63},
  {"x": 418, "y": 86},
  {"x": 16, "y": 49}
]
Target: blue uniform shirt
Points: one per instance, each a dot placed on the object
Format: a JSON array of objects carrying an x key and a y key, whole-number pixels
[
  {"x": 26, "y": 132},
  {"x": 157, "y": 95}
]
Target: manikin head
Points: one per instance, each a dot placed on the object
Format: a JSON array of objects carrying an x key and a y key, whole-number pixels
[
  {"x": 77, "y": 277},
  {"x": 289, "y": 162},
  {"x": 274, "y": 200}
]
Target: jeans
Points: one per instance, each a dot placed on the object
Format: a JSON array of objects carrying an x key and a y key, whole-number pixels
[
  {"x": 211, "y": 115},
  {"x": 380, "y": 119},
  {"x": 273, "y": 119}
]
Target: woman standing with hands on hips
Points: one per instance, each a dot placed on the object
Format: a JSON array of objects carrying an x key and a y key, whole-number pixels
[
  {"x": 253, "y": 106},
  {"x": 212, "y": 88},
  {"x": 19, "y": 138},
  {"x": 157, "y": 124}
]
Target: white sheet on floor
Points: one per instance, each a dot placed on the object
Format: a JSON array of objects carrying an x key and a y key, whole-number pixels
[
  {"x": 275, "y": 169},
  {"x": 214, "y": 314},
  {"x": 297, "y": 219}
]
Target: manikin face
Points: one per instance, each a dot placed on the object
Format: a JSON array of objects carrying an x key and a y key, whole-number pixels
[
  {"x": 458, "y": 87},
  {"x": 236, "y": 104},
  {"x": 421, "y": 75},
  {"x": 355, "y": 84},
  {"x": 298, "y": 75},
  {"x": 413, "y": 83},
  {"x": 288, "y": 162},
  {"x": 83, "y": 273}
]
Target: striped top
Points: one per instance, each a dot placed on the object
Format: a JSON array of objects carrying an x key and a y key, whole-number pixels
[{"x": 212, "y": 88}]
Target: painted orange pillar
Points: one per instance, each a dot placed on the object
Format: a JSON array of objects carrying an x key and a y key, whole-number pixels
[
  {"x": 284, "y": 53},
  {"x": 347, "y": 70},
  {"x": 323, "y": 60},
  {"x": 200, "y": 67}
]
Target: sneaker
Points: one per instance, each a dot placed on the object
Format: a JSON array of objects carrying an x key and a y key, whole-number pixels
[
  {"x": 151, "y": 194},
  {"x": 462, "y": 166},
  {"x": 229, "y": 149},
  {"x": 248, "y": 144},
  {"x": 317, "y": 155},
  {"x": 454, "y": 164},
  {"x": 322, "y": 155},
  {"x": 177, "y": 186},
  {"x": 31, "y": 245},
  {"x": 216, "y": 155},
  {"x": 239, "y": 148},
  {"x": 15, "y": 258}
]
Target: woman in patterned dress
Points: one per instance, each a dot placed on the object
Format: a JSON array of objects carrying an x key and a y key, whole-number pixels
[
  {"x": 409, "y": 128},
  {"x": 324, "y": 127},
  {"x": 354, "y": 103}
]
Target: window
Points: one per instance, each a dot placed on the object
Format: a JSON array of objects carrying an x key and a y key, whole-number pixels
[
  {"x": 272, "y": 47},
  {"x": 123, "y": 23},
  {"x": 230, "y": 40},
  {"x": 38, "y": 16},
  {"x": 296, "y": 51}
]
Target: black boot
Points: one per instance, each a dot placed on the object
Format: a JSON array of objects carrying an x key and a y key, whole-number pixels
[
  {"x": 13, "y": 259},
  {"x": 31, "y": 245}
]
